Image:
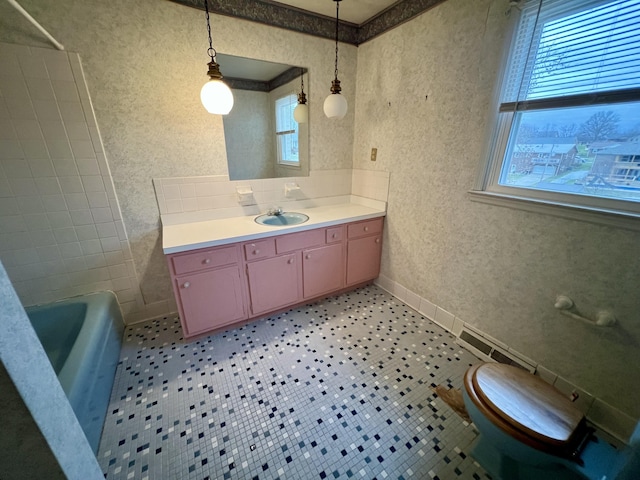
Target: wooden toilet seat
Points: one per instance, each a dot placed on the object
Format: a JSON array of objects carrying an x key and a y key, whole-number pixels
[{"x": 527, "y": 408}]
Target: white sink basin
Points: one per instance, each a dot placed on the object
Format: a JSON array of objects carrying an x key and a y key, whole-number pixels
[{"x": 282, "y": 220}]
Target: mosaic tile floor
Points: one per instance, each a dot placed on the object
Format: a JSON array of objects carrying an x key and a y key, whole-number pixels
[{"x": 336, "y": 389}]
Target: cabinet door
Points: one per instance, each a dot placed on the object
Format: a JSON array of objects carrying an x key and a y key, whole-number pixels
[
  {"x": 363, "y": 259},
  {"x": 273, "y": 283},
  {"x": 322, "y": 270},
  {"x": 210, "y": 299}
]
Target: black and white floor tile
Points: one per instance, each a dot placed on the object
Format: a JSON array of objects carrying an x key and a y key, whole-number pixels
[{"x": 337, "y": 389}]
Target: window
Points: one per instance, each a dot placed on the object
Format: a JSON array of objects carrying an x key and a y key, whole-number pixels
[
  {"x": 287, "y": 131},
  {"x": 568, "y": 120}
]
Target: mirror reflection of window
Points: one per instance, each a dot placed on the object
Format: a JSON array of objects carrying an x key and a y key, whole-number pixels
[{"x": 286, "y": 131}]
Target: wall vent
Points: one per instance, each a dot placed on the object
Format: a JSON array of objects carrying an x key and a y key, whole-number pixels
[{"x": 486, "y": 349}]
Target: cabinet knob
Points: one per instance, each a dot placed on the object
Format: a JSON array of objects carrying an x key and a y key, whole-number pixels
[
  {"x": 366, "y": 229},
  {"x": 308, "y": 256},
  {"x": 290, "y": 261},
  {"x": 334, "y": 235},
  {"x": 207, "y": 261},
  {"x": 256, "y": 251},
  {"x": 377, "y": 240},
  {"x": 186, "y": 284}
]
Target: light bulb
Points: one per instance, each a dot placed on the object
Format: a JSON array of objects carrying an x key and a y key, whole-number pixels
[
  {"x": 216, "y": 97},
  {"x": 301, "y": 113},
  {"x": 335, "y": 106}
]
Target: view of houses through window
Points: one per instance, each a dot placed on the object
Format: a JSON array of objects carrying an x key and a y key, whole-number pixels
[{"x": 595, "y": 151}]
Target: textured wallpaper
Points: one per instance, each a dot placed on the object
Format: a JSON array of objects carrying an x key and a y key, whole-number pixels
[
  {"x": 145, "y": 63},
  {"x": 425, "y": 108}
]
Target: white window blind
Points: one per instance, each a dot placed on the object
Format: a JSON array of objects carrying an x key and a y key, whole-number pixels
[{"x": 558, "y": 53}]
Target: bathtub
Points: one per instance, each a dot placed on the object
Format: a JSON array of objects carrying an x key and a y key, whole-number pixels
[{"x": 82, "y": 337}]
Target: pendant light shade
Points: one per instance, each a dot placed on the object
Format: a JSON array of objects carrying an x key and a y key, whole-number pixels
[
  {"x": 301, "y": 112},
  {"x": 215, "y": 95},
  {"x": 335, "y": 105}
]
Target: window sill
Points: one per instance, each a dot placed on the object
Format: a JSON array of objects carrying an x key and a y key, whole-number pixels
[{"x": 610, "y": 218}]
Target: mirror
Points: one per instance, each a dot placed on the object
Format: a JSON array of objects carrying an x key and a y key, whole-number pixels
[{"x": 265, "y": 94}]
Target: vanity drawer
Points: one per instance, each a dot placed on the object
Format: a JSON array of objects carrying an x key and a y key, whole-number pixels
[
  {"x": 204, "y": 259},
  {"x": 335, "y": 234},
  {"x": 259, "y": 249},
  {"x": 362, "y": 229},
  {"x": 300, "y": 240}
]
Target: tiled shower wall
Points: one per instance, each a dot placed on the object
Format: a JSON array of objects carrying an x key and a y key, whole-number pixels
[{"x": 61, "y": 232}]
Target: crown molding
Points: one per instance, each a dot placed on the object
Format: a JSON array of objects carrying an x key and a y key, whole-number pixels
[{"x": 283, "y": 16}]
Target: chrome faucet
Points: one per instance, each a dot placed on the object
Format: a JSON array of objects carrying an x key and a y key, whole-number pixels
[{"x": 274, "y": 211}]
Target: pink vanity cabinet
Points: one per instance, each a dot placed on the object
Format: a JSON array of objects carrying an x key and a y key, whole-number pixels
[
  {"x": 364, "y": 247},
  {"x": 208, "y": 288},
  {"x": 219, "y": 286}
]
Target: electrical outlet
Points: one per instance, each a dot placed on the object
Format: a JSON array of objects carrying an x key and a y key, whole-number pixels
[{"x": 374, "y": 154}]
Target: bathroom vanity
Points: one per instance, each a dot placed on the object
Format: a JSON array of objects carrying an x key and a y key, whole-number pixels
[{"x": 253, "y": 270}]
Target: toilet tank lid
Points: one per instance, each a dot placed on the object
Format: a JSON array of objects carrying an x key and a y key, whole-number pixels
[{"x": 527, "y": 402}]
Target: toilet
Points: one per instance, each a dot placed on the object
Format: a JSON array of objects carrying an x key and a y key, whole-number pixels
[{"x": 530, "y": 430}]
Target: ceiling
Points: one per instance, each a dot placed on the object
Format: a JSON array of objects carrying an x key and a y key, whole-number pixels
[
  {"x": 352, "y": 11},
  {"x": 360, "y": 20}
]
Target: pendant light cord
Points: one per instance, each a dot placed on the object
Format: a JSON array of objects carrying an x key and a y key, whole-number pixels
[
  {"x": 212, "y": 51},
  {"x": 337, "y": 16}
]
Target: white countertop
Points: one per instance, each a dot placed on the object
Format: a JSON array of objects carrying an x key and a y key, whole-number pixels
[{"x": 183, "y": 237}]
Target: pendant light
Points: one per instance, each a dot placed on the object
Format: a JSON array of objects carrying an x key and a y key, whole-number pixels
[
  {"x": 301, "y": 112},
  {"x": 215, "y": 95},
  {"x": 335, "y": 105}
]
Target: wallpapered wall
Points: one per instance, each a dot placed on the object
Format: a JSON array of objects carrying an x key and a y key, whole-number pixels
[
  {"x": 145, "y": 63},
  {"x": 497, "y": 268},
  {"x": 423, "y": 96}
]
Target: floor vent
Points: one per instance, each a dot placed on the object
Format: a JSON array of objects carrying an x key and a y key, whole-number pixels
[{"x": 486, "y": 349}]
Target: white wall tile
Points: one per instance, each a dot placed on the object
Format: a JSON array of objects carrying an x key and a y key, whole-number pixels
[
  {"x": 427, "y": 308},
  {"x": 16, "y": 166},
  {"x": 35, "y": 149},
  {"x": 59, "y": 219},
  {"x": 41, "y": 167},
  {"x": 36, "y": 221},
  {"x": 88, "y": 166},
  {"x": 49, "y": 253},
  {"x": 97, "y": 199},
  {"x": 444, "y": 319},
  {"x": 612, "y": 420},
  {"x": 86, "y": 232},
  {"x": 48, "y": 186},
  {"x": 76, "y": 201},
  {"x": 458, "y": 324},
  {"x": 65, "y": 235},
  {"x": 54, "y": 203},
  {"x": 42, "y": 238},
  {"x": 48, "y": 233},
  {"x": 30, "y": 205},
  {"x": 93, "y": 183},
  {"x": 71, "y": 184},
  {"x": 26, "y": 129},
  {"x": 413, "y": 300},
  {"x": 106, "y": 230},
  {"x": 46, "y": 110},
  {"x": 70, "y": 250},
  {"x": 40, "y": 89},
  {"x": 65, "y": 91},
  {"x": 102, "y": 215}
]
